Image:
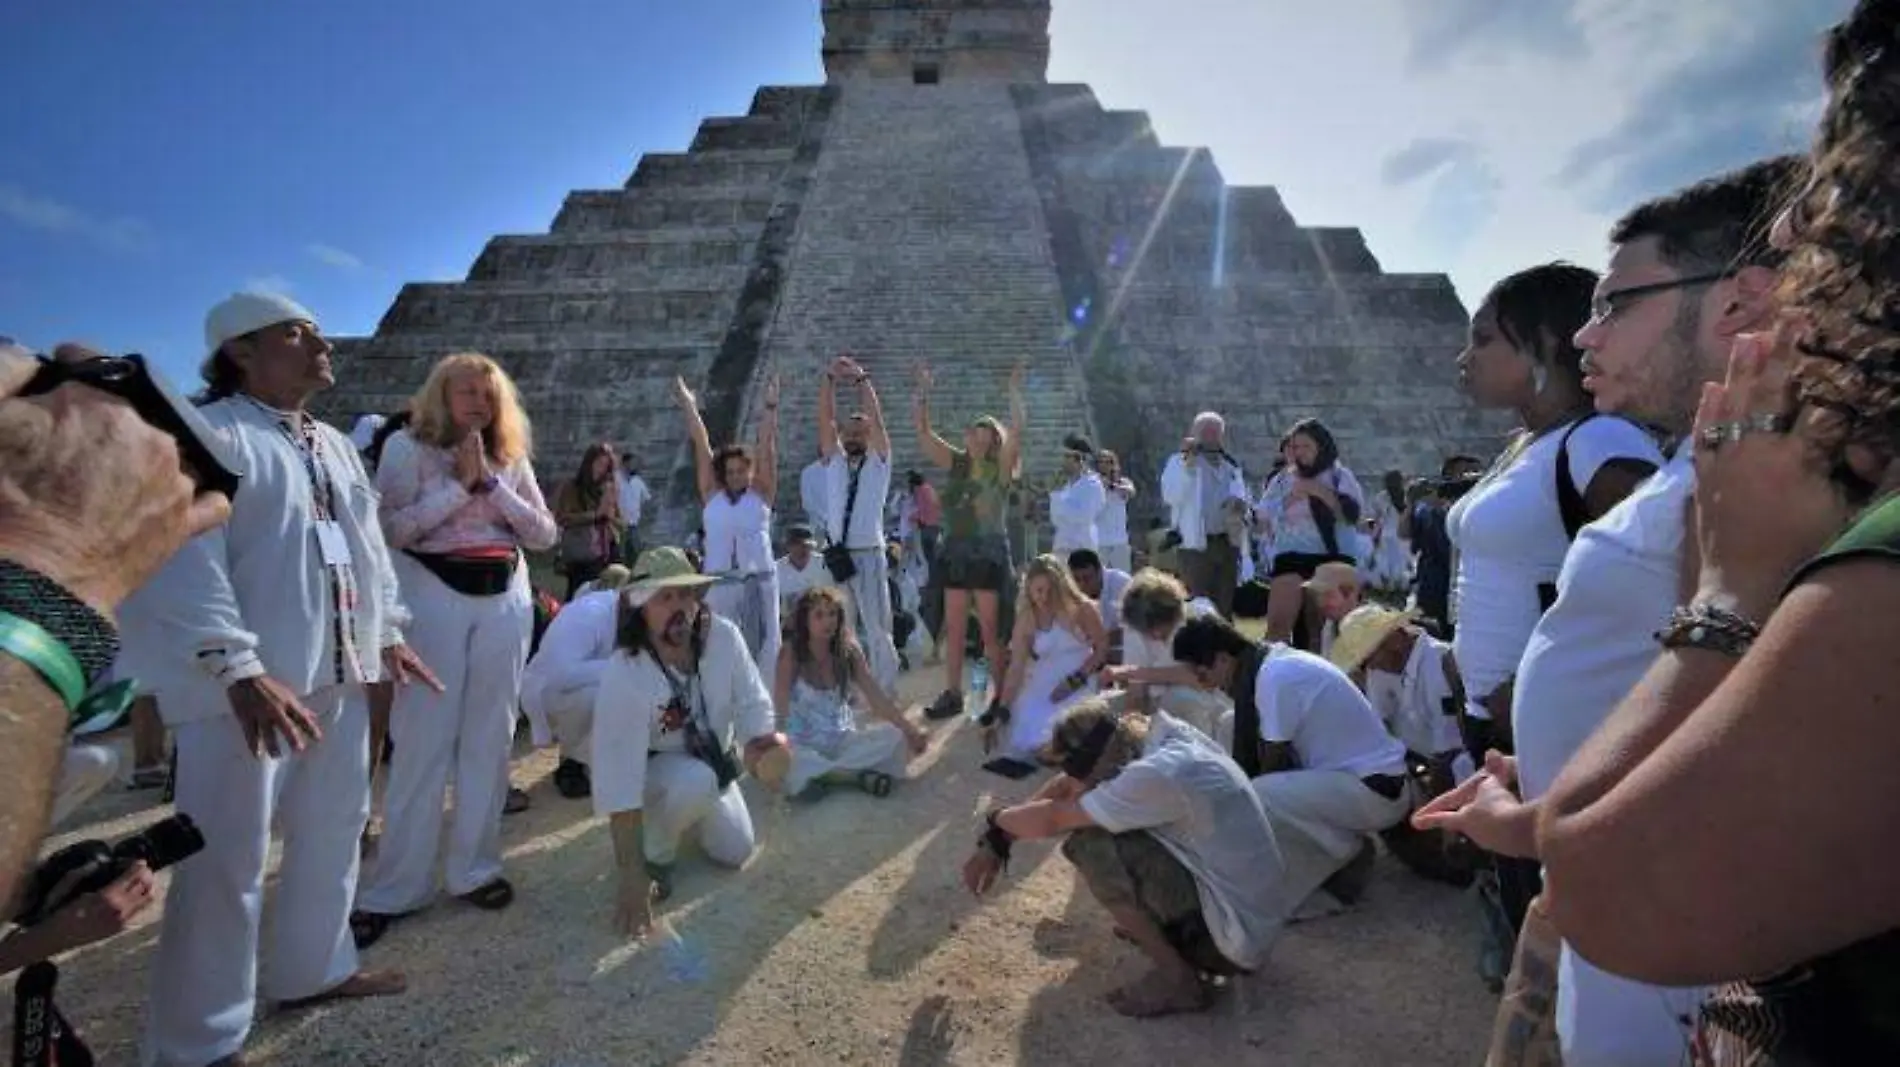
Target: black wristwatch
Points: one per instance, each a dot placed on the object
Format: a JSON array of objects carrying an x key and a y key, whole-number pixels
[{"x": 33, "y": 597}]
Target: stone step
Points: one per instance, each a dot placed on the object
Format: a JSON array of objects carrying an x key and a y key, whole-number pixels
[
  {"x": 617, "y": 210},
  {"x": 732, "y": 168},
  {"x": 582, "y": 303},
  {"x": 646, "y": 260}
]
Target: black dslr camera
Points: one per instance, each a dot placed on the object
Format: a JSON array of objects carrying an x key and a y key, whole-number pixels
[
  {"x": 208, "y": 459},
  {"x": 41, "y": 1035},
  {"x": 1450, "y": 489}
]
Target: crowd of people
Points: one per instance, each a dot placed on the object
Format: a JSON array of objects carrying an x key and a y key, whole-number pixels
[{"x": 1564, "y": 676}]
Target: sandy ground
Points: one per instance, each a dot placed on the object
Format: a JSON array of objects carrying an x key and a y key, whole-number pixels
[{"x": 846, "y": 940}]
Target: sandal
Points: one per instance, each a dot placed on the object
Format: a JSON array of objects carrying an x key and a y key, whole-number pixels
[
  {"x": 368, "y": 927},
  {"x": 661, "y": 875},
  {"x": 876, "y": 783},
  {"x": 948, "y": 705},
  {"x": 494, "y": 896},
  {"x": 517, "y": 802},
  {"x": 359, "y": 986},
  {"x": 572, "y": 781}
]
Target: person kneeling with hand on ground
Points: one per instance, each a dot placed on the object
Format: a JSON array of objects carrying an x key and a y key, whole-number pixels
[
  {"x": 1170, "y": 838},
  {"x": 678, "y": 702}
]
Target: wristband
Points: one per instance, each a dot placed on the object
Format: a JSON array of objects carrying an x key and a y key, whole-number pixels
[
  {"x": 1703, "y": 625},
  {"x": 84, "y": 634},
  {"x": 29, "y": 643}
]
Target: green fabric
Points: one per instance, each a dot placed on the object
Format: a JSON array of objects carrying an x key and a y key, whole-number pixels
[
  {"x": 1875, "y": 533},
  {"x": 976, "y": 500},
  {"x": 32, "y": 645}
]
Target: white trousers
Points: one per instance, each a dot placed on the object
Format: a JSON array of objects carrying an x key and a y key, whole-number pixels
[
  {"x": 205, "y": 974},
  {"x": 1117, "y": 557},
  {"x": 683, "y": 795},
  {"x": 870, "y": 598},
  {"x": 752, "y": 606},
  {"x": 569, "y": 697},
  {"x": 1320, "y": 819},
  {"x": 84, "y": 772},
  {"x": 875, "y": 746},
  {"x": 1604, "y": 1020},
  {"x": 477, "y": 646}
]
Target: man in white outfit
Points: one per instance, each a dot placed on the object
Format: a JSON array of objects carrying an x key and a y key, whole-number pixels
[
  {"x": 560, "y": 683},
  {"x": 1077, "y": 502},
  {"x": 1326, "y": 769},
  {"x": 799, "y": 569},
  {"x": 1197, "y": 484},
  {"x": 682, "y": 712},
  {"x": 261, "y": 636},
  {"x": 858, "y": 468}
]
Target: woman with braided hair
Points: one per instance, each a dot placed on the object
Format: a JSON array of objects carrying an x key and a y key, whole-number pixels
[{"x": 1760, "y": 747}]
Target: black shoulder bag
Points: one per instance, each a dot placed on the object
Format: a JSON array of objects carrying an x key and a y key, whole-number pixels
[{"x": 838, "y": 555}]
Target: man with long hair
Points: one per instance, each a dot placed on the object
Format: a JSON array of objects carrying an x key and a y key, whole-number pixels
[{"x": 682, "y": 713}]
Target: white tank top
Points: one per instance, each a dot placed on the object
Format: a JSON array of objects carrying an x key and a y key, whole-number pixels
[{"x": 738, "y": 535}]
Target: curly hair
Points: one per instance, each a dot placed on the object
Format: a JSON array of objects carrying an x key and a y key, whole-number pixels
[
  {"x": 1843, "y": 276},
  {"x": 843, "y": 641}
]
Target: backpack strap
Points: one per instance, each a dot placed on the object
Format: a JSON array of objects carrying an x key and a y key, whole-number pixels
[{"x": 1570, "y": 506}]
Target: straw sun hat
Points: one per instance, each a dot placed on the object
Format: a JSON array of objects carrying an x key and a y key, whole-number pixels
[{"x": 1362, "y": 632}]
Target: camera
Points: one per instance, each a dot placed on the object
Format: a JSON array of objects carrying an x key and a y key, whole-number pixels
[
  {"x": 41, "y": 1035},
  {"x": 207, "y": 458},
  {"x": 1449, "y": 489}
]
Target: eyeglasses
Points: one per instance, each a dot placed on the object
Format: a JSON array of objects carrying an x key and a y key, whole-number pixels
[{"x": 1608, "y": 305}]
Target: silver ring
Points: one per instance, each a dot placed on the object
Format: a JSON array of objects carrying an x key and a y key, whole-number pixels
[{"x": 1711, "y": 438}]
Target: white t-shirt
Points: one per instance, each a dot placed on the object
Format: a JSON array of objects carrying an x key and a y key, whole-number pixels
[
  {"x": 792, "y": 581},
  {"x": 1073, "y": 509},
  {"x": 1617, "y": 589},
  {"x": 1198, "y": 803},
  {"x": 1311, "y": 704},
  {"x": 1114, "y": 584},
  {"x": 1413, "y": 703},
  {"x": 581, "y": 632},
  {"x": 867, "y": 518},
  {"x": 634, "y": 495},
  {"x": 1111, "y": 523},
  {"x": 1510, "y": 539}
]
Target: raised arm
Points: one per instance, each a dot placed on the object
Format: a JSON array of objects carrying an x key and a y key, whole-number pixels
[
  {"x": 880, "y": 443},
  {"x": 1012, "y": 457},
  {"x": 934, "y": 448},
  {"x": 696, "y": 434},
  {"x": 765, "y": 473},
  {"x": 828, "y": 409}
]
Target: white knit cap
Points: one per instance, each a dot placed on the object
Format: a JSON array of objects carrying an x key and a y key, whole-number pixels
[{"x": 243, "y": 313}]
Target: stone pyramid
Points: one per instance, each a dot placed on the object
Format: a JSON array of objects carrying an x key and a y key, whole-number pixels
[{"x": 939, "y": 198}]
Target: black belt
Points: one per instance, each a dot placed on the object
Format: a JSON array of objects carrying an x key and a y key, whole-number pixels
[{"x": 1389, "y": 786}]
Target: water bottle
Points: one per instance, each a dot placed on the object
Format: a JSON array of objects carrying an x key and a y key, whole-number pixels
[{"x": 977, "y": 688}]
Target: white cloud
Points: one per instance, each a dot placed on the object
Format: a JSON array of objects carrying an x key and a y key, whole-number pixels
[
  {"x": 268, "y": 283},
  {"x": 332, "y": 256},
  {"x": 1470, "y": 137},
  {"x": 43, "y": 213}
]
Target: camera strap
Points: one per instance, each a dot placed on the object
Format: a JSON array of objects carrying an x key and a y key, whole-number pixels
[{"x": 41, "y": 1035}]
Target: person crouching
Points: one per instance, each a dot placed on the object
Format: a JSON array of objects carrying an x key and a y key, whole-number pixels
[
  {"x": 682, "y": 713},
  {"x": 819, "y": 669},
  {"x": 1170, "y": 838}
]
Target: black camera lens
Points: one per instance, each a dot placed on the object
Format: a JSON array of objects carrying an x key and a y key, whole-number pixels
[{"x": 163, "y": 843}]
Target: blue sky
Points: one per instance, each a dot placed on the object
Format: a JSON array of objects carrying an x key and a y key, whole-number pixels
[{"x": 155, "y": 157}]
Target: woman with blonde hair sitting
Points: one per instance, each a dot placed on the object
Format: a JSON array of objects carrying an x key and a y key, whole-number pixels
[
  {"x": 460, "y": 503},
  {"x": 1058, "y": 646},
  {"x": 818, "y": 669}
]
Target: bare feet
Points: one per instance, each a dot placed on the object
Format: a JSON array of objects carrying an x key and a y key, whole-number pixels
[
  {"x": 1159, "y": 993},
  {"x": 361, "y": 985}
]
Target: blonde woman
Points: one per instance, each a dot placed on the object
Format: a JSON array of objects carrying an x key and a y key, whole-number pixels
[
  {"x": 819, "y": 672},
  {"x": 460, "y": 503},
  {"x": 1058, "y": 646}
]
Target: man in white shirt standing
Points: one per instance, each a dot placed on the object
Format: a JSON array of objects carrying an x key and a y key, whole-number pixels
[
  {"x": 799, "y": 569},
  {"x": 858, "y": 477},
  {"x": 560, "y": 683},
  {"x": 682, "y": 712},
  {"x": 1197, "y": 484},
  {"x": 1077, "y": 502},
  {"x": 634, "y": 495},
  {"x": 1689, "y": 272},
  {"x": 260, "y": 637},
  {"x": 1327, "y": 770},
  {"x": 1171, "y": 841}
]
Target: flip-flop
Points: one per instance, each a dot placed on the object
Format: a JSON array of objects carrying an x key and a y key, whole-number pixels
[
  {"x": 494, "y": 896},
  {"x": 368, "y": 927},
  {"x": 876, "y": 783},
  {"x": 359, "y": 986}
]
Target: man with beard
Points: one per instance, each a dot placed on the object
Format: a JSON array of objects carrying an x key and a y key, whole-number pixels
[
  {"x": 260, "y": 638},
  {"x": 1689, "y": 273},
  {"x": 682, "y": 712},
  {"x": 857, "y": 458},
  {"x": 1170, "y": 840}
]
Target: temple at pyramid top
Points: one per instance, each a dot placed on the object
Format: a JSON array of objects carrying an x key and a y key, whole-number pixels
[{"x": 927, "y": 42}]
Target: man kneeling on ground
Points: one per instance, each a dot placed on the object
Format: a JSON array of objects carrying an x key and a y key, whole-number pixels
[
  {"x": 1170, "y": 839},
  {"x": 1325, "y": 768},
  {"x": 678, "y": 702},
  {"x": 562, "y": 681}
]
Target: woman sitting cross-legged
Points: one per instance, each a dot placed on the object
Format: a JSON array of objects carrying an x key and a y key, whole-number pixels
[
  {"x": 817, "y": 672},
  {"x": 1058, "y": 646}
]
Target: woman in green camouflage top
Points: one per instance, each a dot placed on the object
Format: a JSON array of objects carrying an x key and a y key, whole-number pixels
[{"x": 973, "y": 559}]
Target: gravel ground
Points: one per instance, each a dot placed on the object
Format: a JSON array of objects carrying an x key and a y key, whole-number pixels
[{"x": 846, "y": 940}]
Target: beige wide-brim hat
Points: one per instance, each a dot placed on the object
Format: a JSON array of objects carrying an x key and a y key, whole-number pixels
[
  {"x": 614, "y": 577},
  {"x": 1362, "y": 632},
  {"x": 666, "y": 568}
]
